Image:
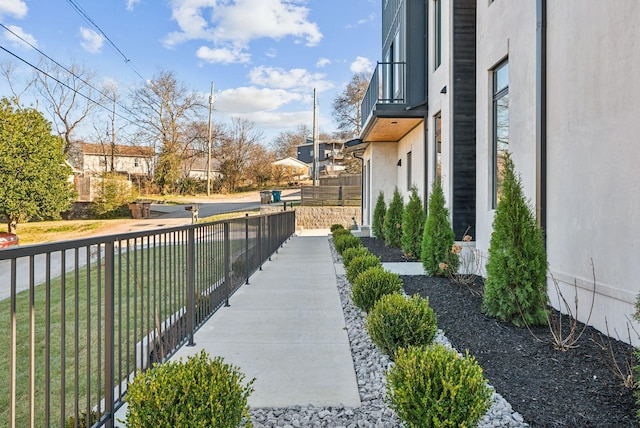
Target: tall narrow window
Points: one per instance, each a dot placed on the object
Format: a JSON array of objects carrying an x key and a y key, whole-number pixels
[
  {"x": 409, "y": 178},
  {"x": 437, "y": 146},
  {"x": 500, "y": 124},
  {"x": 438, "y": 33}
]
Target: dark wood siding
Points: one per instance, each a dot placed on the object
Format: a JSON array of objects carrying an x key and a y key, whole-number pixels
[{"x": 464, "y": 116}]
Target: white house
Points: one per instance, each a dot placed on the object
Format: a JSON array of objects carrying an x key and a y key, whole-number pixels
[{"x": 132, "y": 160}]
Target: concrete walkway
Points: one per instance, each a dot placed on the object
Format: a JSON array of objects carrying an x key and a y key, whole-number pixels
[{"x": 286, "y": 328}]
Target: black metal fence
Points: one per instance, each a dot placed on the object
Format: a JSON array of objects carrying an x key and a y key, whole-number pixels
[{"x": 81, "y": 318}]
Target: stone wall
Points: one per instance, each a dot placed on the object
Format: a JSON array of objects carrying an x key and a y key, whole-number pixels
[{"x": 320, "y": 217}]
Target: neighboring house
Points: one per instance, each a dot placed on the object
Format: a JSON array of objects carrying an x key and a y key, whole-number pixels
[
  {"x": 330, "y": 156},
  {"x": 130, "y": 160},
  {"x": 292, "y": 168},
  {"x": 195, "y": 166},
  {"x": 553, "y": 83}
]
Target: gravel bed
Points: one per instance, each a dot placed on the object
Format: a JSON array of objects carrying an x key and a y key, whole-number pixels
[{"x": 370, "y": 366}]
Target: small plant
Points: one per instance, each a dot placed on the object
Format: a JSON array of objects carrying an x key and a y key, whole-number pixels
[
  {"x": 360, "y": 264},
  {"x": 469, "y": 264},
  {"x": 397, "y": 322},
  {"x": 515, "y": 288},
  {"x": 113, "y": 193},
  {"x": 351, "y": 253},
  {"x": 438, "y": 258},
  {"x": 335, "y": 227},
  {"x": 437, "y": 387},
  {"x": 82, "y": 420},
  {"x": 197, "y": 393},
  {"x": 370, "y": 285},
  {"x": 413, "y": 219},
  {"x": 340, "y": 231},
  {"x": 344, "y": 241},
  {"x": 379, "y": 213},
  {"x": 393, "y": 221}
]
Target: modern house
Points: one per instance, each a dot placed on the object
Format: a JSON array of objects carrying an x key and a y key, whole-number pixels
[
  {"x": 130, "y": 160},
  {"x": 461, "y": 82}
]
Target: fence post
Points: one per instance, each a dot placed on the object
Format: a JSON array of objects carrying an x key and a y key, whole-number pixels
[
  {"x": 109, "y": 334},
  {"x": 227, "y": 262},
  {"x": 260, "y": 243},
  {"x": 246, "y": 247},
  {"x": 191, "y": 283}
]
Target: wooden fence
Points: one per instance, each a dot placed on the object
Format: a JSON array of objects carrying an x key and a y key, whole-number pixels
[{"x": 340, "y": 196}]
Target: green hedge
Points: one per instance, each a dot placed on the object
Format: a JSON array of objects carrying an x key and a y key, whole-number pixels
[
  {"x": 360, "y": 264},
  {"x": 351, "y": 253},
  {"x": 372, "y": 284},
  {"x": 342, "y": 242}
]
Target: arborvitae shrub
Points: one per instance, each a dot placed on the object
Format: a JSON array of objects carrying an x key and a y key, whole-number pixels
[
  {"x": 360, "y": 264},
  {"x": 335, "y": 227},
  {"x": 197, "y": 393},
  {"x": 370, "y": 285},
  {"x": 413, "y": 219},
  {"x": 436, "y": 387},
  {"x": 379, "y": 213},
  {"x": 396, "y": 321},
  {"x": 437, "y": 242},
  {"x": 350, "y": 253},
  {"x": 393, "y": 221},
  {"x": 516, "y": 282},
  {"x": 344, "y": 241}
]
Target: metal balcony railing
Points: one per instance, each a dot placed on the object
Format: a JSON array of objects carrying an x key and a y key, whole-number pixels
[
  {"x": 387, "y": 86},
  {"x": 80, "y": 318}
]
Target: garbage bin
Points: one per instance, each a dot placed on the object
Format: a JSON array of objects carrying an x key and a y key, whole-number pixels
[
  {"x": 276, "y": 195},
  {"x": 146, "y": 209},
  {"x": 265, "y": 197}
]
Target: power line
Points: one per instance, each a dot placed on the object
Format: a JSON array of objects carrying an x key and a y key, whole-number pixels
[{"x": 91, "y": 22}]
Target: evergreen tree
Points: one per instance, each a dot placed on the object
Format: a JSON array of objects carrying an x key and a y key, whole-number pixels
[
  {"x": 515, "y": 287},
  {"x": 438, "y": 238},
  {"x": 393, "y": 221},
  {"x": 378, "y": 216},
  {"x": 413, "y": 219}
]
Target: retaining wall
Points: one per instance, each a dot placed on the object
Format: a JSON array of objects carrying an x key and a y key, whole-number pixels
[{"x": 319, "y": 217}]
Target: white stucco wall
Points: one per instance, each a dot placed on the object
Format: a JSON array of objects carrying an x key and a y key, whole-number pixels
[
  {"x": 506, "y": 29},
  {"x": 593, "y": 151},
  {"x": 412, "y": 142},
  {"x": 383, "y": 158}
]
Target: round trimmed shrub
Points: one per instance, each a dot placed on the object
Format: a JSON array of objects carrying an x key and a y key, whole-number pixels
[
  {"x": 398, "y": 322},
  {"x": 340, "y": 231},
  {"x": 359, "y": 264},
  {"x": 373, "y": 283},
  {"x": 200, "y": 392},
  {"x": 342, "y": 242},
  {"x": 335, "y": 227},
  {"x": 437, "y": 387},
  {"x": 350, "y": 253}
]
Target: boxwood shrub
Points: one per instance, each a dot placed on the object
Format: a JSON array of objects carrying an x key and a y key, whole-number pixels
[
  {"x": 359, "y": 264},
  {"x": 436, "y": 387},
  {"x": 396, "y": 321},
  {"x": 335, "y": 227},
  {"x": 373, "y": 283},
  {"x": 350, "y": 253},
  {"x": 200, "y": 392},
  {"x": 342, "y": 242}
]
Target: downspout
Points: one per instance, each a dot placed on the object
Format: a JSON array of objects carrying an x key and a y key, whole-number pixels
[
  {"x": 362, "y": 187},
  {"x": 541, "y": 115}
]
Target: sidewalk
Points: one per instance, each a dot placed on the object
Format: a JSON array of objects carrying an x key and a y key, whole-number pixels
[{"x": 286, "y": 328}]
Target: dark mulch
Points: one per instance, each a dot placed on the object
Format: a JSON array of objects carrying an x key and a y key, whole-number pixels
[{"x": 550, "y": 388}]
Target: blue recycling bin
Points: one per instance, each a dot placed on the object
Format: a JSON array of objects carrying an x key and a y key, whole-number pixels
[{"x": 276, "y": 195}]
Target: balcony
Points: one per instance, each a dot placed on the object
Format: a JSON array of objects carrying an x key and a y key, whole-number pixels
[{"x": 386, "y": 115}]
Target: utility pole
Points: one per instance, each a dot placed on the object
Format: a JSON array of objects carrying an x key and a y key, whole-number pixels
[
  {"x": 209, "y": 142},
  {"x": 315, "y": 139}
]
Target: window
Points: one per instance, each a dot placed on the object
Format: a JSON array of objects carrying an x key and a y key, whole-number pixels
[
  {"x": 500, "y": 125},
  {"x": 136, "y": 162},
  {"x": 409, "y": 171},
  {"x": 437, "y": 146},
  {"x": 438, "y": 33}
]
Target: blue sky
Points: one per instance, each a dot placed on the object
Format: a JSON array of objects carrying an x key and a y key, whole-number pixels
[{"x": 264, "y": 56}]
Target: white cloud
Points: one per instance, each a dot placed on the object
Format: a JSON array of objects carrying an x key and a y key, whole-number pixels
[
  {"x": 294, "y": 79},
  {"x": 15, "y": 8},
  {"x": 131, "y": 4},
  {"x": 251, "y": 99},
  {"x": 271, "y": 53},
  {"x": 235, "y": 23},
  {"x": 91, "y": 41},
  {"x": 323, "y": 62},
  {"x": 222, "y": 55},
  {"x": 361, "y": 65},
  {"x": 15, "y": 40},
  {"x": 277, "y": 121},
  {"x": 363, "y": 21}
]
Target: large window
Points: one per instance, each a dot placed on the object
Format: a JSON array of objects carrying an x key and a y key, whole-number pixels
[
  {"x": 438, "y": 33},
  {"x": 409, "y": 178},
  {"x": 437, "y": 146},
  {"x": 500, "y": 119}
]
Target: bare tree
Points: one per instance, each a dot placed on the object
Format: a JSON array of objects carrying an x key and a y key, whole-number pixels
[
  {"x": 346, "y": 105},
  {"x": 167, "y": 113},
  {"x": 234, "y": 151},
  {"x": 10, "y": 73},
  {"x": 69, "y": 98},
  {"x": 286, "y": 142}
]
